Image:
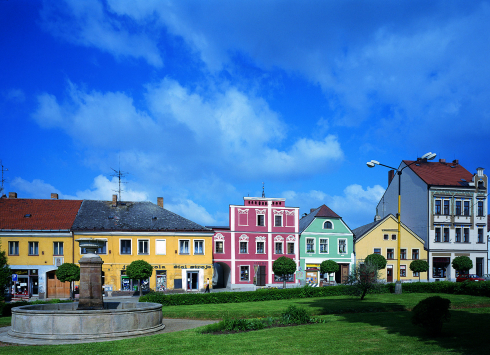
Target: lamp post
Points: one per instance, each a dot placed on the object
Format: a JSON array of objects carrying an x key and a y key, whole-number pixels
[{"x": 372, "y": 164}]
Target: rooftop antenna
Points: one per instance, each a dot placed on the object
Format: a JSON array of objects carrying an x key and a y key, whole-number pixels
[
  {"x": 3, "y": 180},
  {"x": 119, "y": 174},
  {"x": 263, "y": 192}
]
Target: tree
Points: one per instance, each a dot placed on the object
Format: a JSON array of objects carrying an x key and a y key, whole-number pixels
[
  {"x": 364, "y": 278},
  {"x": 283, "y": 267},
  {"x": 328, "y": 267},
  {"x": 377, "y": 260},
  {"x": 5, "y": 273},
  {"x": 68, "y": 272},
  {"x": 419, "y": 266},
  {"x": 139, "y": 270},
  {"x": 462, "y": 263}
]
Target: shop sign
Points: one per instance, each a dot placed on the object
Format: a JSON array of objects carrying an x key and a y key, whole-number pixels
[
  {"x": 20, "y": 272},
  {"x": 153, "y": 265},
  {"x": 192, "y": 267}
]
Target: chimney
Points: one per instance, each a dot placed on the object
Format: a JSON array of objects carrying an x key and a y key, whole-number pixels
[
  {"x": 442, "y": 160},
  {"x": 479, "y": 171},
  {"x": 312, "y": 209},
  {"x": 114, "y": 200},
  {"x": 377, "y": 218},
  {"x": 391, "y": 175},
  {"x": 160, "y": 201},
  {"x": 54, "y": 196},
  {"x": 455, "y": 161},
  {"x": 12, "y": 194}
]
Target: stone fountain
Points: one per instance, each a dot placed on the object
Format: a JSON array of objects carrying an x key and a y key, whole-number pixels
[{"x": 91, "y": 319}]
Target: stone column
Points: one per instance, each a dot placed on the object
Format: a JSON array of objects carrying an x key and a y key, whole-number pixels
[{"x": 91, "y": 283}]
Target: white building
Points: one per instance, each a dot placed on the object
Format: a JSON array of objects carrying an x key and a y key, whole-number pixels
[{"x": 445, "y": 205}]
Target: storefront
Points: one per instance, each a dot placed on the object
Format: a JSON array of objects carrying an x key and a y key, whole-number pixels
[
  {"x": 25, "y": 282},
  {"x": 439, "y": 267}
]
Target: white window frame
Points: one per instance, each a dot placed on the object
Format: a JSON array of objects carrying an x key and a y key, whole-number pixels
[
  {"x": 287, "y": 248},
  {"x": 418, "y": 253},
  {"x": 194, "y": 246},
  {"x": 324, "y": 224},
  {"x": 275, "y": 220},
  {"x": 188, "y": 246},
  {"x": 248, "y": 273},
  {"x": 306, "y": 245},
  {"x": 58, "y": 248},
  {"x": 34, "y": 246},
  {"x": 130, "y": 246},
  {"x": 275, "y": 247},
  {"x": 164, "y": 246},
  {"x": 240, "y": 247},
  {"x": 147, "y": 246},
  {"x": 346, "y": 245},
  {"x": 380, "y": 251},
  {"x": 14, "y": 243},
  {"x": 256, "y": 246},
  {"x": 320, "y": 250},
  {"x": 257, "y": 219},
  {"x": 223, "y": 243},
  {"x": 435, "y": 207}
]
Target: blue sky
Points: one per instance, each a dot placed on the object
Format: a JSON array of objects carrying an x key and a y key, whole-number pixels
[{"x": 203, "y": 101}]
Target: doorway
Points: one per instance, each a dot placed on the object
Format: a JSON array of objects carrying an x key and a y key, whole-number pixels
[
  {"x": 261, "y": 276},
  {"x": 192, "y": 280},
  {"x": 389, "y": 273}
]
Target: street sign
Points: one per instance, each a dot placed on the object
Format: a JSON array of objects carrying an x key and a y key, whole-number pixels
[{"x": 14, "y": 277}]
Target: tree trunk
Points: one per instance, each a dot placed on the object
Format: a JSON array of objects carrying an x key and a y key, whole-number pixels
[{"x": 139, "y": 286}]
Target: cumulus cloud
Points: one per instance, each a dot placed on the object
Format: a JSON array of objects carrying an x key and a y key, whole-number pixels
[
  {"x": 191, "y": 210},
  {"x": 15, "y": 95},
  {"x": 36, "y": 188}
]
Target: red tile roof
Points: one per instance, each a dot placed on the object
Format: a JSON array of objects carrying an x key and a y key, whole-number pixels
[
  {"x": 325, "y": 211},
  {"x": 441, "y": 174},
  {"x": 44, "y": 214}
]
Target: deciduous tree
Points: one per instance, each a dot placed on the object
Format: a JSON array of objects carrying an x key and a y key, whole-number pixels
[
  {"x": 328, "y": 267},
  {"x": 283, "y": 267},
  {"x": 68, "y": 272},
  {"x": 419, "y": 266},
  {"x": 462, "y": 263},
  {"x": 139, "y": 270}
]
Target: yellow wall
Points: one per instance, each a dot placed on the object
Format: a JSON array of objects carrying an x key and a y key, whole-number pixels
[
  {"x": 172, "y": 262},
  {"x": 375, "y": 239}
]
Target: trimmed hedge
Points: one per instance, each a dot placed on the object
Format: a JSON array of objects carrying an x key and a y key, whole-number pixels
[{"x": 461, "y": 288}]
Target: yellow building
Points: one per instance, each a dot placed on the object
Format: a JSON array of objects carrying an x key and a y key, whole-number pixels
[
  {"x": 380, "y": 237},
  {"x": 179, "y": 250}
]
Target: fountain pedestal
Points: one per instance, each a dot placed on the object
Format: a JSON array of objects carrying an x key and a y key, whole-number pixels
[{"x": 90, "y": 275}]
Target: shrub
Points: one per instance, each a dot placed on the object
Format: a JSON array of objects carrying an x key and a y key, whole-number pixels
[
  {"x": 462, "y": 263},
  {"x": 376, "y": 259},
  {"x": 295, "y": 315},
  {"x": 431, "y": 313}
]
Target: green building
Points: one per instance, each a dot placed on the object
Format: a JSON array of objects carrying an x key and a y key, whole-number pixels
[{"x": 324, "y": 236}]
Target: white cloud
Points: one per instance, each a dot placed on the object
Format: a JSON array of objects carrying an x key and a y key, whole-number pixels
[
  {"x": 191, "y": 210},
  {"x": 16, "y": 95},
  {"x": 34, "y": 189}
]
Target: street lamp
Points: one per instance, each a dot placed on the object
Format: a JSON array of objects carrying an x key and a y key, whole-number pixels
[{"x": 372, "y": 164}]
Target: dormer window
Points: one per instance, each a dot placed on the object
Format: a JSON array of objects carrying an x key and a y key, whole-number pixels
[{"x": 327, "y": 225}]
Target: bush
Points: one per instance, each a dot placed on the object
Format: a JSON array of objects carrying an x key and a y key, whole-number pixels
[
  {"x": 431, "y": 313},
  {"x": 295, "y": 315}
]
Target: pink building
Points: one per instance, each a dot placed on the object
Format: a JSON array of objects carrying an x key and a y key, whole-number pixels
[{"x": 261, "y": 230}]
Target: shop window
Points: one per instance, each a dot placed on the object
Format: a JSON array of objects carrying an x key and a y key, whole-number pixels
[
  {"x": 57, "y": 248},
  {"x": 125, "y": 246},
  {"x": 260, "y": 248},
  {"x": 245, "y": 273},
  {"x": 218, "y": 247},
  {"x": 143, "y": 247},
  {"x": 198, "y": 247},
  {"x": 403, "y": 271},
  {"x": 33, "y": 248},
  {"x": 323, "y": 246},
  {"x": 184, "y": 247},
  {"x": 13, "y": 248}
]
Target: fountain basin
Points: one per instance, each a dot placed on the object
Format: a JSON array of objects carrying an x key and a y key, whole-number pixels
[{"x": 62, "y": 321}]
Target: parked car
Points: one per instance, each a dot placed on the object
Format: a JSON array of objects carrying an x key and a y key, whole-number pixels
[
  {"x": 469, "y": 277},
  {"x": 486, "y": 277}
]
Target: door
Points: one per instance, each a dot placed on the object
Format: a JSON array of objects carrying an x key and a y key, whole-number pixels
[
  {"x": 261, "y": 276},
  {"x": 192, "y": 280},
  {"x": 161, "y": 280},
  {"x": 345, "y": 272},
  {"x": 56, "y": 288},
  {"x": 389, "y": 274},
  {"x": 479, "y": 266}
]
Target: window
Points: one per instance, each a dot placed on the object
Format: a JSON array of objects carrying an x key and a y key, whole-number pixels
[
  {"x": 198, "y": 247},
  {"x": 324, "y": 246},
  {"x": 458, "y": 235},
  {"x": 466, "y": 235},
  {"x": 33, "y": 248},
  {"x": 446, "y": 235},
  {"x": 143, "y": 248},
  {"x": 184, "y": 246},
  {"x": 125, "y": 246},
  {"x": 244, "y": 273},
  {"x": 290, "y": 248},
  {"x": 57, "y": 248},
  {"x": 243, "y": 247},
  {"x": 101, "y": 250},
  {"x": 13, "y": 248},
  {"x": 480, "y": 235},
  {"x": 261, "y": 220},
  {"x": 327, "y": 225},
  {"x": 446, "y": 207},
  {"x": 438, "y": 207},
  {"x": 278, "y": 247},
  {"x": 415, "y": 274},
  {"x": 480, "y": 208},
  {"x": 390, "y": 254},
  {"x": 342, "y": 246},
  {"x": 393, "y": 237},
  {"x": 438, "y": 234},
  {"x": 458, "y": 208},
  {"x": 415, "y": 254},
  {"x": 277, "y": 220},
  {"x": 310, "y": 245},
  {"x": 466, "y": 208},
  {"x": 218, "y": 247},
  {"x": 160, "y": 247},
  {"x": 377, "y": 251},
  {"x": 403, "y": 254},
  {"x": 386, "y": 237},
  {"x": 260, "y": 248},
  {"x": 403, "y": 271}
]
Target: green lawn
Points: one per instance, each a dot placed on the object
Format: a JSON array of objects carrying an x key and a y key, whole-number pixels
[{"x": 348, "y": 333}]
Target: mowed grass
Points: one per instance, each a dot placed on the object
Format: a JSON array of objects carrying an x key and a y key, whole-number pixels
[{"x": 371, "y": 332}]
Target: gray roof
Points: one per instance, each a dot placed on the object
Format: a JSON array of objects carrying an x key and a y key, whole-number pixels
[{"x": 131, "y": 216}]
